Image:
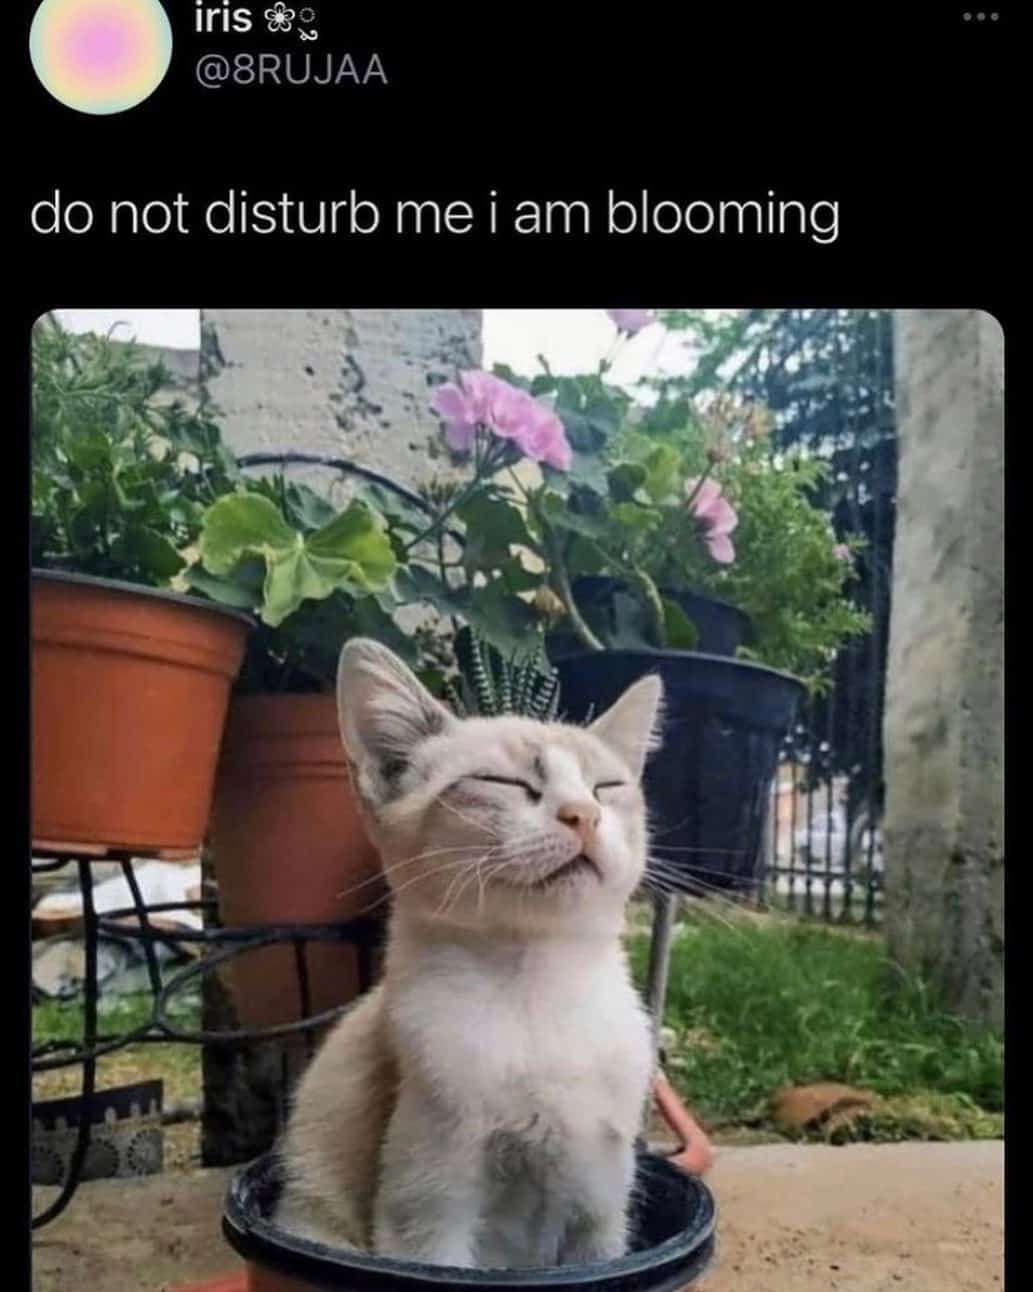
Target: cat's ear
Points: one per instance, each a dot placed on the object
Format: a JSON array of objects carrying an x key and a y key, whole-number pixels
[
  {"x": 384, "y": 712},
  {"x": 631, "y": 726}
]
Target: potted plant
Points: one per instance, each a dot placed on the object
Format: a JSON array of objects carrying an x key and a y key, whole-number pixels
[
  {"x": 287, "y": 842},
  {"x": 130, "y": 680},
  {"x": 666, "y": 509}
]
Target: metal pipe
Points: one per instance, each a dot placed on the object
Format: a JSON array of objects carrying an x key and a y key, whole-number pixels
[{"x": 665, "y": 908}]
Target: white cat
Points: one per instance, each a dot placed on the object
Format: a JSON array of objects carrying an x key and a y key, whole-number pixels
[{"x": 479, "y": 1107}]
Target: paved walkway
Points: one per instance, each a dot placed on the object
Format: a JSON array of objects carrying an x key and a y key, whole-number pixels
[{"x": 794, "y": 1218}]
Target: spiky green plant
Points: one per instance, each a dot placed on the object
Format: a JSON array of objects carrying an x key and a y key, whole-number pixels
[{"x": 491, "y": 684}]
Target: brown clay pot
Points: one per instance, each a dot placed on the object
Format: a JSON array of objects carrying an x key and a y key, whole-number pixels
[
  {"x": 289, "y": 848},
  {"x": 129, "y": 693}
]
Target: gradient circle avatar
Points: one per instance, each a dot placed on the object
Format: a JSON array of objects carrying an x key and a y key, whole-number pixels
[{"x": 101, "y": 56}]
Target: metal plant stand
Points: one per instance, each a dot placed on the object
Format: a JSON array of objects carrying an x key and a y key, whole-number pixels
[{"x": 220, "y": 945}]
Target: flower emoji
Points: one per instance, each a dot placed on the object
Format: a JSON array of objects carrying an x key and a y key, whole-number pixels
[{"x": 279, "y": 17}]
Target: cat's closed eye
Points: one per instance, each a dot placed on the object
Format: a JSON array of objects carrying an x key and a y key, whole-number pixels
[
  {"x": 532, "y": 793},
  {"x": 607, "y": 785}
]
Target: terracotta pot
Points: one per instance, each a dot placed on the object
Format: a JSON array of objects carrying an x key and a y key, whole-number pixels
[
  {"x": 129, "y": 693},
  {"x": 289, "y": 848}
]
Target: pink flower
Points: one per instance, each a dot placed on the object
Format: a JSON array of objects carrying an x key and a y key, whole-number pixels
[
  {"x": 842, "y": 553},
  {"x": 480, "y": 399},
  {"x": 542, "y": 438},
  {"x": 464, "y": 407},
  {"x": 631, "y": 321},
  {"x": 716, "y": 518}
]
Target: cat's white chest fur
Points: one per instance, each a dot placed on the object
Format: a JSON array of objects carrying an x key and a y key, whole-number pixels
[
  {"x": 547, "y": 1026},
  {"x": 535, "y": 1074}
]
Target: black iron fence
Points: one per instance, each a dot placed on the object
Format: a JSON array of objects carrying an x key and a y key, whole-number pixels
[{"x": 823, "y": 849}]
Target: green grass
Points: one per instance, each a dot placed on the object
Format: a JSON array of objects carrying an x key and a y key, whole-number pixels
[
  {"x": 755, "y": 1008},
  {"x": 61, "y": 1020},
  {"x": 178, "y": 1065}
]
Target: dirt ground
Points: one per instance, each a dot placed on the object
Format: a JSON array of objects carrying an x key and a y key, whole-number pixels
[{"x": 793, "y": 1218}]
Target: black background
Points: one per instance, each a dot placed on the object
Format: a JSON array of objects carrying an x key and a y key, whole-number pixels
[
  {"x": 907, "y": 117},
  {"x": 901, "y": 116}
]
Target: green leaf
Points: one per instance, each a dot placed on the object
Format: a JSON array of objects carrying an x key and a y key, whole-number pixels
[
  {"x": 506, "y": 373},
  {"x": 351, "y": 552},
  {"x": 506, "y": 622},
  {"x": 588, "y": 470},
  {"x": 417, "y": 585},
  {"x": 625, "y": 479},
  {"x": 639, "y": 520},
  {"x": 397, "y": 511},
  {"x": 680, "y": 631},
  {"x": 664, "y": 472},
  {"x": 558, "y": 513},
  {"x": 244, "y": 524},
  {"x": 308, "y": 511},
  {"x": 492, "y": 528},
  {"x": 354, "y": 546},
  {"x": 372, "y": 621},
  {"x": 516, "y": 578},
  {"x": 228, "y": 592},
  {"x": 149, "y": 551},
  {"x": 88, "y": 448}
]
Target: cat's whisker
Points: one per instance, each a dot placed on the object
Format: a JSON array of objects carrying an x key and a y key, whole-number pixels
[
  {"x": 465, "y": 882},
  {"x": 423, "y": 876},
  {"x": 463, "y": 816},
  {"x": 671, "y": 847},
  {"x": 500, "y": 859},
  {"x": 382, "y": 874},
  {"x": 665, "y": 876},
  {"x": 706, "y": 904},
  {"x": 477, "y": 862},
  {"x": 665, "y": 865},
  {"x": 456, "y": 880}
]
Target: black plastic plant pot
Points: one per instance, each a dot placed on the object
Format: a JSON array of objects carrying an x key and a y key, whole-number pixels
[
  {"x": 673, "y": 1244},
  {"x": 722, "y": 628},
  {"x": 708, "y": 786}
]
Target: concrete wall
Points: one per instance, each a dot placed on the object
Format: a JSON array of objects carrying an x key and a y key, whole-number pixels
[
  {"x": 944, "y": 738},
  {"x": 347, "y": 383},
  {"x": 342, "y": 383}
]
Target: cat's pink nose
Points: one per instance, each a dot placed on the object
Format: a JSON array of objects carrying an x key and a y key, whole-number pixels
[{"x": 582, "y": 817}]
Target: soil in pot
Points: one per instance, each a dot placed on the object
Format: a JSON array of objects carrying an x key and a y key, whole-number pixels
[
  {"x": 289, "y": 848},
  {"x": 129, "y": 694},
  {"x": 708, "y": 786},
  {"x": 673, "y": 1243}
]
